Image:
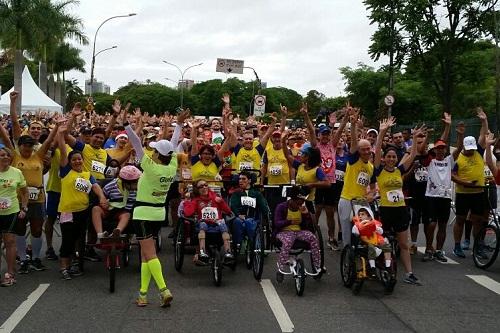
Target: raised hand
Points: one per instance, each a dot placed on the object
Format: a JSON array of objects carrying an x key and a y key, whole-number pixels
[
  {"x": 283, "y": 110},
  {"x": 480, "y": 114},
  {"x": 490, "y": 139},
  {"x": 385, "y": 124},
  {"x": 137, "y": 114},
  {"x": 460, "y": 128},
  {"x": 422, "y": 130},
  {"x": 183, "y": 115},
  {"x": 77, "y": 110},
  {"x": 127, "y": 107},
  {"x": 117, "y": 107},
  {"x": 446, "y": 118},
  {"x": 13, "y": 96},
  {"x": 196, "y": 123},
  {"x": 353, "y": 114},
  {"x": 304, "y": 109},
  {"x": 226, "y": 99}
]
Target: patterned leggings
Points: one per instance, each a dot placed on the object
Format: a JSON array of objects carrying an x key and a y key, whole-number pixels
[{"x": 287, "y": 239}]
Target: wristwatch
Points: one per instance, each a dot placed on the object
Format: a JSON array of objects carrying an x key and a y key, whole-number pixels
[{"x": 24, "y": 209}]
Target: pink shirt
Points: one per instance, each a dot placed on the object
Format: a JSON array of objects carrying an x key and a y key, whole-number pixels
[{"x": 328, "y": 160}]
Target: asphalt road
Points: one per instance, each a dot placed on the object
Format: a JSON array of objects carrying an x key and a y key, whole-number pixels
[{"x": 448, "y": 301}]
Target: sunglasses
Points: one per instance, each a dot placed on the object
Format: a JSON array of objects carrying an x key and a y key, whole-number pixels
[{"x": 202, "y": 186}]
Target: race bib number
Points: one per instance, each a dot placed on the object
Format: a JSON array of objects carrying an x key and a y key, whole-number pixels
[
  {"x": 186, "y": 173},
  {"x": 34, "y": 193},
  {"x": 487, "y": 172},
  {"x": 82, "y": 185},
  {"x": 98, "y": 167},
  {"x": 5, "y": 203},
  {"x": 395, "y": 196},
  {"x": 66, "y": 217},
  {"x": 339, "y": 175},
  {"x": 276, "y": 170},
  {"x": 248, "y": 201},
  {"x": 421, "y": 175},
  {"x": 246, "y": 165},
  {"x": 363, "y": 179},
  {"x": 209, "y": 213}
]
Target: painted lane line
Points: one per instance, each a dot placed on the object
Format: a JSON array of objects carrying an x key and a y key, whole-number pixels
[
  {"x": 277, "y": 306},
  {"x": 486, "y": 282},
  {"x": 21, "y": 311},
  {"x": 450, "y": 261}
]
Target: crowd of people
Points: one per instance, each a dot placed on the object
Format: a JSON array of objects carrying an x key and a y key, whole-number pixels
[{"x": 81, "y": 168}]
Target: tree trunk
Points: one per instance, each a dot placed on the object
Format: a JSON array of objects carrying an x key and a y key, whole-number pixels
[
  {"x": 63, "y": 92},
  {"x": 52, "y": 87},
  {"x": 18, "y": 78},
  {"x": 58, "y": 90},
  {"x": 42, "y": 76}
]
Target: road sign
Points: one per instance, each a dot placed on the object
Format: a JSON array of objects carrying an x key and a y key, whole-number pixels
[
  {"x": 389, "y": 100},
  {"x": 259, "y": 105},
  {"x": 229, "y": 66}
]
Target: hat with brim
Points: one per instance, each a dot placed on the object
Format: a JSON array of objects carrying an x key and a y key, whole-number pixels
[
  {"x": 440, "y": 143},
  {"x": 372, "y": 130},
  {"x": 324, "y": 130},
  {"x": 164, "y": 147},
  {"x": 26, "y": 140},
  {"x": 122, "y": 135},
  {"x": 470, "y": 143}
]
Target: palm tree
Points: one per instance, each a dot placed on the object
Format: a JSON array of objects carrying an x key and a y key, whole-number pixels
[{"x": 73, "y": 92}]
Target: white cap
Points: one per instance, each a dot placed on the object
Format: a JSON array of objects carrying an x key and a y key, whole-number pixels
[
  {"x": 470, "y": 143},
  {"x": 164, "y": 147}
]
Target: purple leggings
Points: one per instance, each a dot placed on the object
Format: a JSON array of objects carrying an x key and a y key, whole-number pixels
[{"x": 287, "y": 239}]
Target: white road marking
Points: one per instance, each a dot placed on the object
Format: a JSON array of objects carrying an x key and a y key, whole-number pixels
[
  {"x": 277, "y": 306},
  {"x": 450, "y": 261},
  {"x": 486, "y": 282},
  {"x": 21, "y": 311}
]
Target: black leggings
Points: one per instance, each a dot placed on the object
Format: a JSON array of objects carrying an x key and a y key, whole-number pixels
[{"x": 73, "y": 232}]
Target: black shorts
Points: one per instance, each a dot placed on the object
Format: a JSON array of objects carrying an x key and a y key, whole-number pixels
[
  {"x": 310, "y": 207},
  {"x": 325, "y": 196},
  {"x": 173, "y": 192},
  {"x": 439, "y": 209},
  {"x": 8, "y": 223},
  {"x": 394, "y": 218},
  {"x": 492, "y": 196},
  {"x": 337, "y": 191},
  {"x": 53, "y": 199},
  {"x": 476, "y": 203},
  {"x": 419, "y": 211},
  {"x": 146, "y": 229}
]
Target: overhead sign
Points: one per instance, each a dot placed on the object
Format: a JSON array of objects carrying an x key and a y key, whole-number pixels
[
  {"x": 389, "y": 100},
  {"x": 229, "y": 66},
  {"x": 259, "y": 105}
]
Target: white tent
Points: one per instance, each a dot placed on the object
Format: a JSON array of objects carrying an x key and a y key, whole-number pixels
[{"x": 33, "y": 98}]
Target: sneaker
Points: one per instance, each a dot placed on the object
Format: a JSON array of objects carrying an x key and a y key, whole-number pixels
[
  {"x": 103, "y": 234},
  {"x": 117, "y": 233},
  {"x": 51, "y": 254},
  {"x": 29, "y": 252},
  {"x": 412, "y": 279},
  {"x": 228, "y": 256},
  {"x": 466, "y": 244},
  {"x": 459, "y": 252},
  {"x": 141, "y": 300},
  {"x": 333, "y": 245},
  {"x": 428, "y": 256},
  {"x": 413, "y": 249},
  {"x": 65, "y": 275},
  {"x": 8, "y": 280},
  {"x": 165, "y": 298},
  {"x": 372, "y": 273},
  {"x": 203, "y": 256},
  {"x": 36, "y": 264},
  {"x": 439, "y": 256},
  {"x": 24, "y": 267},
  {"x": 74, "y": 270},
  {"x": 91, "y": 255}
]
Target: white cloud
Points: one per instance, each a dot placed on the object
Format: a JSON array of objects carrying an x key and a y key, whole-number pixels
[{"x": 296, "y": 44}]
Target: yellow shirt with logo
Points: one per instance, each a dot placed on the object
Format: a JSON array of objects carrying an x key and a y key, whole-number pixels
[
  {"x": 390, "y": 185},
  {"x": 304, "y": 177},
  {"x": 470, "y": 168},
  {"x": 32, "y": 169},
  {"x": 94, "y": 160},
  {"x": 295, "y": 218},
  {"x": 278, "y": 171},
  {"x": 357, "y": 177},
  {"x": 75, "y": 188},
  {"x": 248, "y": 158},
  {"x": 54, "y": 181}
]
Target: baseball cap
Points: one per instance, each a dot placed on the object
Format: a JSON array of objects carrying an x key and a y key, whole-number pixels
[
  {"x": 164, "y": 147},
  {"x": 324, "y": 129},
  {"x": 440, "y": 143},
  {"x": 26, "y": 140},
  {"x": 372, "y": 130},
  {"x": 305, "y": 147},
  {"x": 150, "y": 135},
  {"x": 122, "y": 134},
  {"x": 470, "y": 143}
]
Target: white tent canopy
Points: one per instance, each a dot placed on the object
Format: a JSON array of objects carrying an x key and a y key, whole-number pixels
[{"x": 33, "y": 98}]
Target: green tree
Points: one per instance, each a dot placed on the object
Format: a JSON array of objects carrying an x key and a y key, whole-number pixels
[{"x": 74, "y": 94}]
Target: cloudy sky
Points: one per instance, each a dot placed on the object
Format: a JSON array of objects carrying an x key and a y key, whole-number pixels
[{"x": 296, "y": 44}]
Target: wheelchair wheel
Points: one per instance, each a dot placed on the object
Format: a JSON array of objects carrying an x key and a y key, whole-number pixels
[
  {"x": 217, "y": 268},
  {"x": 111, "y": 263},
  {"x": 486, "y": 246},
  {"x": 300, "y": 278},
  {"x": 347, "y": 267},
  {"x": 249, "y": 254},
  {"x": 258, "y": 255},
  {"x": 179, "y": 246},
  {"x": 126, "y": 255}
]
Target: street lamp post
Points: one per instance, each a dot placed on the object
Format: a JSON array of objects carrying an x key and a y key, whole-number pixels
[
  {"x": 93, "y": 48},
  {"x": 253, "y": 88},
  {"x": 182, "y": 72}
]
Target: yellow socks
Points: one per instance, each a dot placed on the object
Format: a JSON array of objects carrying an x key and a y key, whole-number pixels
[
  {"x": 145, "y": 278},
  {"x": 155, "y": 269}
]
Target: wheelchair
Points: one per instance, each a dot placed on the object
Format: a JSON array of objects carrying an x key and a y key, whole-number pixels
[
  {"x": 298, "y": 269},
  {"x": 354, "y": 260}
]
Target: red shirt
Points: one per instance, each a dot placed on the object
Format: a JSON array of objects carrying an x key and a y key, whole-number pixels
[{"x": 204, "y": 208}]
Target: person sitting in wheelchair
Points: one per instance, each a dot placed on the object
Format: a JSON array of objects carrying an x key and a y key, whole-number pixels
[
  {"x": 210, "y": 209},
  {"x": 292, "y": 221},
  {"x": 121, "y": 193},
  {"x": 371, "y": 234},
  {"x": 246, "y": 203}
]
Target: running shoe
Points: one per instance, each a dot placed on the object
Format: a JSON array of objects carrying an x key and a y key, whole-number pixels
[
  {"x": 466, "y": 244},
  {"x": 141, "y": 300},
  {"x": 203, "y": 257},
  {"x": 459, "y": 252},
  {"x": 439, "y": 256},
  {"x": 165, "y": 298},
  {"x": 91, "y": 255},
  {"x": 228, "y": 256},
  {"x": 74, "y": 270},
  {"x": 65, "y": 275},
  {"x": 333, "y": 245},
  {"x": 50, "y": 254},
  {"x": 372, "y": 272},
  {"x": 29, "y": 252},
  {"x": 103, "y": 234},
  {"x": 36, "y": 265},
  {"x": 428, "y": 256},
  {"x": 412, "y": 279},
  {"x": 8, "y": 280},
  {"x": 117, "y": 233},
  {"x": 24, "y": 267},
  {"x": 413, "y": 249}
]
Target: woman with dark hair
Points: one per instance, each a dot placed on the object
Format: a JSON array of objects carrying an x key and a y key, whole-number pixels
[
  {"x": 308, "y": 170},
  {"x": 393, "y": 212}
]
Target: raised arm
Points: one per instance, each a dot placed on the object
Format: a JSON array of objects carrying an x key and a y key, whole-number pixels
[
  {"x": 484, "y": 127},
  {"x": 194, "y": 137},
  {"x": 61, "y": 144},
  {"x": 460, "y": 140},
  {"x": 343, "y": 123},
  {"x": 181, "y": 118},
  {"x": 284, "y": 147},
  {"x": 284, "y": 115},
  {"x": 270, "y": 130},
  {"x": 385, "y": 124},
  {"x": 226, "y": 145},
  {"x": 310, "y": 127},
  {"x": 4, "y": 135},
  {"x": 490, "y": 141},
  {"x": 16, "y": 127},
  {"x": 447, "y": 126},
  {"x": 135, "y": 141},
  {"x": 116, "y": 107},
  {"x": 353, "y": 118},
  {"x": 48, "y": 142}
]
